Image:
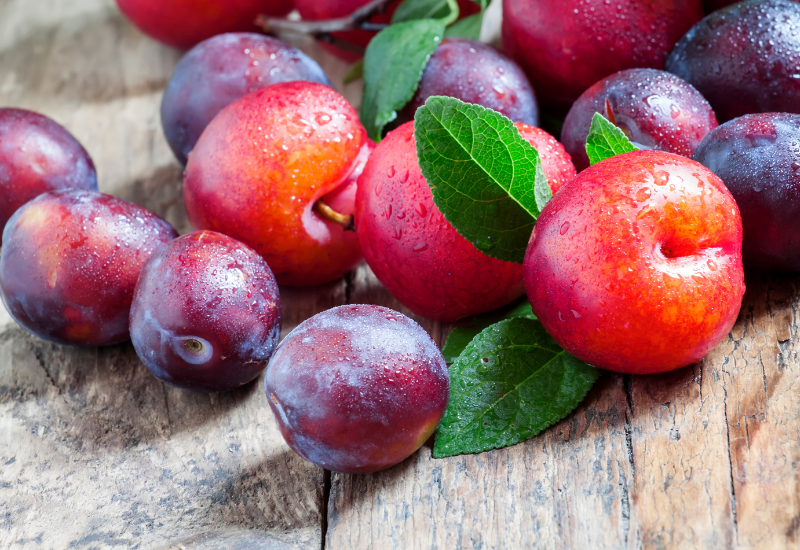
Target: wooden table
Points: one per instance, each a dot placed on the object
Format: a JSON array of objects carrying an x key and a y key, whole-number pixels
[{"x": 95, "y": 453}]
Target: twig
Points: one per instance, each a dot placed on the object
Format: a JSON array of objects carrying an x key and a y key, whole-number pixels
[{"x": 358, "y": 20}]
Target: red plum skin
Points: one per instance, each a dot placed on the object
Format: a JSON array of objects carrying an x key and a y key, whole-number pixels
[
  {"x": 184, "y": 23},
  {"x": 414, "y": 251},
  {"x": 262, "y": 164},
  {"x": 565, "y": 46},
  {"x": 635, "y": 265}
]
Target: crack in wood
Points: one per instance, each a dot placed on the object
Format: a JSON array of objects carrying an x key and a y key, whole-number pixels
[
  {"x": 630, "y": 412},
  {"x": 326, "y": 497},
  {"x": 730, "y": 462}
]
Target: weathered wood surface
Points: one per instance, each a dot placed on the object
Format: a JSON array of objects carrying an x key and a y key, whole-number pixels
[{"x": 94, "y": 453}]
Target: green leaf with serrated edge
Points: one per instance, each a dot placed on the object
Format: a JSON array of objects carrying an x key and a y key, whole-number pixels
[
  {"x": 460, "y": 337},
  {"x": 486, "y": 179},
  {"x": 511, "y": 382},
  {"x": 469, "y": 27},
  {"x": 393, "y": 65},
  {"x": 409, "y": 10},
  {"x": 606, "y": 140}
]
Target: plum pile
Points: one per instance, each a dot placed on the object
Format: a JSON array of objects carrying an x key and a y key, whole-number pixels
[{"x": 634, "y": 265}]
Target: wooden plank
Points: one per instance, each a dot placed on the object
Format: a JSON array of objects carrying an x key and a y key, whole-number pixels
[{"x": 94, "y": 452}]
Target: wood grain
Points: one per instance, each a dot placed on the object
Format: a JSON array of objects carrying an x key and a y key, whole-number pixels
[{"x": 95, "y": 453}]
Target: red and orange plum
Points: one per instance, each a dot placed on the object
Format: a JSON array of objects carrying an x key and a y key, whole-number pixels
[
  {"x": 635, "y": 265},
  {"x": 206, "y": 314},
  {"x": 69, "y": 264},
  {"x": 655, "y": 109},
  {"x": 220, "y": 70},
  {"x": 565, "y": 46},
  {"x": 260, "y": 168},
  {"x": 38, "y": 155},
  {"x": 475, "y": 72},
  {"x": 357, "y": 388},
  {"x": 184, "y": 23},
  {"x": 418, "y": 256}
]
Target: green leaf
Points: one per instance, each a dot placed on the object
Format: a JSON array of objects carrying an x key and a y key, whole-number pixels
[
  {"x": 409, "y": 10},
  {"x": 605, "y": 140},
  {"x": 511, "y": 382},
  {"x": 486, "y": 179},
  {"x": 393, "y": 65},
  {"x": 469, "y": 27},
  {"x": 461, "y": 336},
  {"x": 354, "y": 72}
]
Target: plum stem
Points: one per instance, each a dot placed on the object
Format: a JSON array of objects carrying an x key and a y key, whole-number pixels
[
  {"x": 325, "y": 211},
  {"x": 358, "y": 20}
]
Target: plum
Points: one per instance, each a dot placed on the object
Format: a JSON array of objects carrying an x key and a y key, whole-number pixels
[
  {"x": 758, "y": 158},
  {"x": 565, "y": 46},
  {"x": 206, "y": 313},
  {"x": 635, "y": 265},
  {"x": 38, "y": 155},
  {"x": 220, "y": 70},
  {"x": 556, "y": 162},
  {"x": 262, "y": 166},
  {"x": 184, "y": 23},
  {"x": 744, "y": 58},
  {"x": 414, "y": 251},
  {"x": 69, "y": 264},
  {"x": 655, "y": 109},
  {"x": 476, "y": 73},
  {"x": 357, "y": 388}
]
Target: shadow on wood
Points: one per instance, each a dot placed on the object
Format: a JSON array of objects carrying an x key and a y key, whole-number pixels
[{"x": 101, "y": 397}]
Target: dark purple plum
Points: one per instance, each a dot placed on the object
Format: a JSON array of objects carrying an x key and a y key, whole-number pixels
[
  {"x": 744, "y": 58},
  {"x": 476, "y": 73},
  {"x": 38, "y": 155},
  {"x": 758, "y": 158},
  {"x": 357, "y": 388},
  {"x": 70, "y": 261},
  {"x": 655, "y": 109},
  {"x": 220, "y": 70},
  {"x": 206, "y": 315}
]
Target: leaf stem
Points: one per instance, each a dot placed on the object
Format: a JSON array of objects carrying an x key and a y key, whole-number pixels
[{"x": 358, "y": 20}]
